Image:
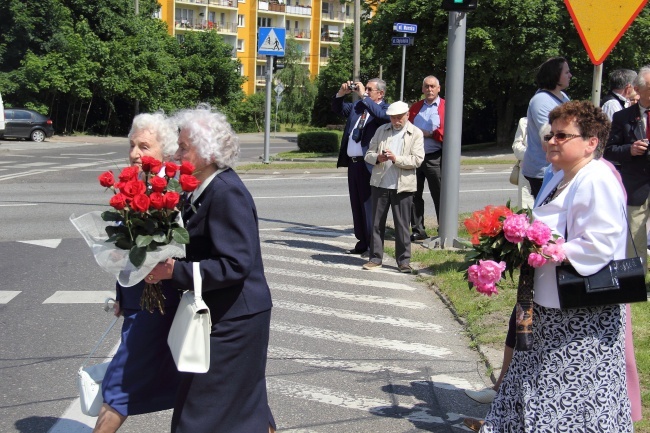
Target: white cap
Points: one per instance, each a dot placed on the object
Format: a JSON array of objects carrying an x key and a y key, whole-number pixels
[{"x": 396, "y": 108}]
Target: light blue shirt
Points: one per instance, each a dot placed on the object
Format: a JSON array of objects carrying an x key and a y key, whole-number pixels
[
  {"x": 428, "y": 119},
  {"x": 538, "y": 110}
]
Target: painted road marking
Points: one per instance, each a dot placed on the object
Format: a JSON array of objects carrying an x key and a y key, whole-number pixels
[
  {"x": 370, "y": 341},
  {"x": 354, "y": 315},
  {"x": 49, "y": 243},
  {"x": 341, "y": 280},
  {"x": 335, "y": 294},
  {"x": 8, "y": 295},
  {"x": 79, "y": 297}
]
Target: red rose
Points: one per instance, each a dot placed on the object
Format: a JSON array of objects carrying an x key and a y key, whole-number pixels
[
  {"x": 118, "y": 201},
  {"x": 158, "y": 184},
  {"x": 157, "y": 200},
  {"x": 129, "y": 173},
  {"x": 140, "y": 203},
  {"x": 188, "y": 182},
  {"x": 171, "y": 169},
  {"x": 133, "y": 188},
  {"x": 107, "y": 179},
  {"x": 171, "y": 199},
  {"x": 187, "y": 168},
  {"x": 150, "y": 164}
]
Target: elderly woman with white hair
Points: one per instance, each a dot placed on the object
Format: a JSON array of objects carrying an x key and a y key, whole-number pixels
[
  {"x": 142, "y": 376},
  {"x": 224, "y": 238}
]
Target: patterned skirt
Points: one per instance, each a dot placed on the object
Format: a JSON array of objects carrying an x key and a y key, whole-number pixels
[{"x": 573, "y": 380}]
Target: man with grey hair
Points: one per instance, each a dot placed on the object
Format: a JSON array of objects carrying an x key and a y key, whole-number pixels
[
  {"x": 428, "y": 115},
  {"x": 363, "y": 119},
  {"x": 395, "y": 152},
  {"x": 620, "y": 89},
  {"x": 628, "y": 145}
]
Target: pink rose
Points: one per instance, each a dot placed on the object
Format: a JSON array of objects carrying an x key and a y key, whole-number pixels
[
  {"x": 555, "y": 251},
  {"x": 472, "y": 274},
  {"x": 489, "y": 271},
  {"x": 515, "y": 227},
  {"x": 487, "y": 289},
  {"x": 536, "y": 260},
  {"x": 539, "y": 233}
]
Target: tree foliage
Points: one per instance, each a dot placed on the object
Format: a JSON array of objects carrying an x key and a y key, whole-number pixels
[
  {"x": 87, "y": 64},
  {"x": 506, "y": 42},
  {"x": 299, "y": 91}
]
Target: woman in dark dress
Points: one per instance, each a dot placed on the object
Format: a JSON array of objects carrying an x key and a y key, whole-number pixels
[
  {"x": 142, "y": 376},
  {"x": 224, "y": 238}
]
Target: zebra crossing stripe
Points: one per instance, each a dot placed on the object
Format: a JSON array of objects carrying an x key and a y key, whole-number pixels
[
  {"x": 376, "y": 342},
  {"x": 350, "y": 401},
  {"x": 79, "y": 297},
  {"x": 341, "y": 280},
  {"x": 354, "y": 315},
  {"x": 350, "y": 296},
  {"x": 8, "y": 295},
  {"x": 313, "y": 242},
  {"x": 318, "y": 360},
  {"x": 311, "y": 262}
]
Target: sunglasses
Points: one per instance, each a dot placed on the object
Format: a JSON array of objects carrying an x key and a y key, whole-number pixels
[{"x": 560, "y": 137}]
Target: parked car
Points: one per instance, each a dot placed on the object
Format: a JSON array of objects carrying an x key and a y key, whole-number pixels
[{"x": 24, "y": 123}]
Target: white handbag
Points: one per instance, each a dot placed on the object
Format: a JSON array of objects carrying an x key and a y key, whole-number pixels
[
  {"x": 189, "y": 336},
  {"x": 89, "y": 381}
]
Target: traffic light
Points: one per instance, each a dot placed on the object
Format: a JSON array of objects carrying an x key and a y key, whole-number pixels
[
  {"x": 277, "y": 64},
  {"x": 459, "y": 5}
]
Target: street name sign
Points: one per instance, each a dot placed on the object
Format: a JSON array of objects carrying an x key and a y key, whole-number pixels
[
  {"x": 401, "y": 41},
  {"x": 601, "y": 24},
  {"x": 271, "y": 41},
  {"x": 406, "y": 28}
]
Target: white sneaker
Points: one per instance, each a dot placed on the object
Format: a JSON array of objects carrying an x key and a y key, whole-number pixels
[{"x": 485, "y": 395}]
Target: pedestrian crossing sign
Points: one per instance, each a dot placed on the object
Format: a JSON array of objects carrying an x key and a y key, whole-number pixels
[{"x": 271, "y": 41}]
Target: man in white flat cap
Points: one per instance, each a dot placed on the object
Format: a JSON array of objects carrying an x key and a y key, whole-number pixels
[{"x": 396, "y": 151}]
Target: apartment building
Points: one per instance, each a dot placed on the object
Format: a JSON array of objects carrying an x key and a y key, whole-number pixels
[{"x": 317, "y": 25}]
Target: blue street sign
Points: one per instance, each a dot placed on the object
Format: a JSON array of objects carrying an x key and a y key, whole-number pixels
[
  {"x": 405, "y": 28},
  {"x": 271, "y": 41},
  {"x": 402, "y": 41}
]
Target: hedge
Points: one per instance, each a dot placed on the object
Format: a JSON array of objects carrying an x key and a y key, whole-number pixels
[{"x": 322, "y": 141}]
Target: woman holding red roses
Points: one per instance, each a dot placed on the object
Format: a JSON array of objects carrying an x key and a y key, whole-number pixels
[
  {"x": 224, "y": 238},
  {"x": 142, "y": 376}
]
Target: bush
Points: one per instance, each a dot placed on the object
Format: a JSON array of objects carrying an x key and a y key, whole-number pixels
[{"x": 325, "y": 142}]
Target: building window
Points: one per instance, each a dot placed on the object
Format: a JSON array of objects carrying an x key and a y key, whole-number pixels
[
  {"x": 240, "y": 45},
  {"x": 240, "y": 21},
  {"x": 184, "y": 14},
  {"x": 347, "y": 10},
  {"x": 180, "y": 38},
  {"x": 326, "y": 8},
  {"x": 287, "y": 25},
  {"x": 264, "y": 22},
  {"x": 157, "y": 14}
]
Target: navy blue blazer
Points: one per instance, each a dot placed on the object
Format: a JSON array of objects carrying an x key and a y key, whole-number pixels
[
  {"x": 224, "y": 238},
  {"x": 627, "y": 127},
  {"x": 352, "y": 111}
]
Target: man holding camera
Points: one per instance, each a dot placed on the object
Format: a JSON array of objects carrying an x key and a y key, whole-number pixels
[
  {"x": 429, "y": 116},
  {"x": 628, "y": 145},
  {"x": 363, "y": 119},
  {"x": 395, "y": 152}
]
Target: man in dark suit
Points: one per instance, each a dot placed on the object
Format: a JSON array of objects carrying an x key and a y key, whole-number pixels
[
  {"x": 628, "y": 145},
  {"x": 363, "y": 119}
]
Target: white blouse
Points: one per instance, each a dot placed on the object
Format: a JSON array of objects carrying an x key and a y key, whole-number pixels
[{"x": 590, "y": 211}]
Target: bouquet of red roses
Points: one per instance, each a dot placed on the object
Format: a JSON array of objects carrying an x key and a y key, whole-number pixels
[
  {"x": 505, "y": 240},
  {"x": 144, "y": 227}
]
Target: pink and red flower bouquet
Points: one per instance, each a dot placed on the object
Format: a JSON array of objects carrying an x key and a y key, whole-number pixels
[{"x": 503, "y": 240}]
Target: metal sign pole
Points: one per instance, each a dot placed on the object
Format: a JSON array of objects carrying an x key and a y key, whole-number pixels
[
  {"x": 401, "y": 87},
  {"x": 596, "y": 84},
  {"x": 267, "y": 117}
]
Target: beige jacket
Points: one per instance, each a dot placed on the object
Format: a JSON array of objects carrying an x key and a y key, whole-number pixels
[{"x": 410, "y": 159}]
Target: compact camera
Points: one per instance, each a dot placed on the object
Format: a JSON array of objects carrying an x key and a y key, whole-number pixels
[{"x": 353, "y": 87}]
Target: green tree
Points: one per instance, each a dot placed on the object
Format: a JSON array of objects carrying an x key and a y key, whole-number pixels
[{"x": 299, "y": 91}]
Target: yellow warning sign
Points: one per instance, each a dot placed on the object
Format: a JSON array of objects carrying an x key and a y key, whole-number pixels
[{"x": 602, "y": 23}]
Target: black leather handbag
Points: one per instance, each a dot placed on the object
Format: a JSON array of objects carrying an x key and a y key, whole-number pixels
[{"x": 620, "y": 282}]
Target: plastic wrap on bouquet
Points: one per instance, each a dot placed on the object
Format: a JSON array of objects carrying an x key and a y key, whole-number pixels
[
  {"x": 115, "y": 260},
  {"x": 524, "y": 314}
]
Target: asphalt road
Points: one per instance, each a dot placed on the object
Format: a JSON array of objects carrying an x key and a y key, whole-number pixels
[{"x": 350, "y": 350}]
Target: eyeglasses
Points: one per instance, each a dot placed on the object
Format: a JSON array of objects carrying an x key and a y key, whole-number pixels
[
  {"x": 370, "y": 89},
  {"x": 560, "y": 137}
]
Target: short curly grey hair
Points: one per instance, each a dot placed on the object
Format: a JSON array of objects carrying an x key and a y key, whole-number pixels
[
  {"x": 161, "y": 126},
  {"x": 211, "y": 133}
]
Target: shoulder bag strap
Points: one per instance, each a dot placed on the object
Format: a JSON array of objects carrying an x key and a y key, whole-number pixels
[
  {"x": 198, "y": 281},
  {"x": 100, "y": 341}
]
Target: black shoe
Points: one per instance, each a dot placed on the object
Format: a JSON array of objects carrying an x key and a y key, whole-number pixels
[
  {"x": 415, "y": 237},
  {"x": 355, "y": 251}
]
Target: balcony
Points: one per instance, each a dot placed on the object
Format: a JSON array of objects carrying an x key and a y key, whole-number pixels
[
  {"x": 202, "y": 24},
  {"x": 331, "y": 35},
  {"x": 225, "y": 3},
  {"x": 276, "y": 6},
  {"x": 299, "y": 33},
  {"x": 333, "y": 16}
]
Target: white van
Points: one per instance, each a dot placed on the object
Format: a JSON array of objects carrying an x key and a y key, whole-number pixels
[{"x": 2, "y": 117}]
